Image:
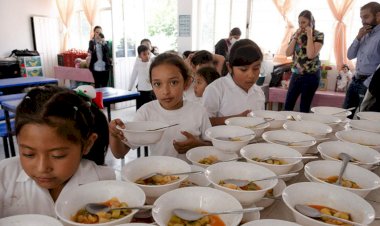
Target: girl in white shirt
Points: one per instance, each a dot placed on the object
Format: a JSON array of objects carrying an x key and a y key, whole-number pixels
[
  {"x": 169, "y": 78},
  {"x": 236, "y": 94},
  {"x": 55, "y": 129}
]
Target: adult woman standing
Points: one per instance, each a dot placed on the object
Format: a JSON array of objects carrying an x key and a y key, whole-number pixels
[
  {"x": 100, "y": 61},
  {"x": 304, "y": 47}
]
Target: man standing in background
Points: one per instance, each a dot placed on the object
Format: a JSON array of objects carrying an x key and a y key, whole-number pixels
[{"x": 366, "y": 48}]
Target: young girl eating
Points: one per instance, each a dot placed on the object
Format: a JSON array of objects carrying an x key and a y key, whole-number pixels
[
  {"x": 236, "y": 94},
  {"x": 204, "y": 77},
  {"x": 170, "y": 78},
  {"x": 62, "y": 140}
]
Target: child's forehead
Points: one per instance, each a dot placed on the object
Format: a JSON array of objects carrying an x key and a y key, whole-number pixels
[{"x": 166, "y": 71}]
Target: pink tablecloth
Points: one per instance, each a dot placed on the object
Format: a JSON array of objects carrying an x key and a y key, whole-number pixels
[
  {"x": 321, "y": 98},
  {"x": 76, "y": 74}
]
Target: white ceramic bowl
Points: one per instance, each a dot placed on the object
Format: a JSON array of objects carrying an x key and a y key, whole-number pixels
[
  {"x": 365, "y": 125},
  {"x": 329, "y": 120},
  {"x": 244, "y": 171},
  {"x": 136, "y": 132},
  {"x": 295, "y": 169},
  {"x": 334, "y": 111},
  {"x": 270, "y": 222},
  {"x": 315, "y": 129},
  {"x": 194, "y": 155},
  {"x": 369, "y": 115},
  {"x": 367, "y": 180},
  {"x": 277, "y": 192},
  {"x": 141, "y": 167},
  {"x": 364, "y": 138},
  {"x": 279, "y": 119},
  {"x": 249, "y": 122},
  {"x": 331, "y": 149},
  {"x": 244, "y": 134},
  {"x": 264, "y": 150},
  {"x": 95, "y": 192},
  {"x": 30, "y": 220},
  {"x": 311, "y": 193},
  {"x": 290, "y": 136},
  {"x": 196, "y": 198}
]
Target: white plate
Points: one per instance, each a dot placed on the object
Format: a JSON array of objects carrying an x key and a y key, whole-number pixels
[
  {"x": 30, "y": 220},
  {"x": 369, "y": 115}
]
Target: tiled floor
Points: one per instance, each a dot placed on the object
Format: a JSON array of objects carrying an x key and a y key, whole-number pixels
[{"x": 125, "y": 114}]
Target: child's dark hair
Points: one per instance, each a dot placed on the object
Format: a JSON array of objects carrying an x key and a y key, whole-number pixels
[
  {"x": 210, "y": 74},
  {"x": 145, "y": 40},
  {"x": 186, "y": 54},
  {"x": 73, "y": 117},
  {"x": 201, "y": 57},
  {"x": 345, "y": 66},
  {"x": 141, "y": 49},
  {"x": 171, "y": 59},
  {"x": 244, "y": 52}
]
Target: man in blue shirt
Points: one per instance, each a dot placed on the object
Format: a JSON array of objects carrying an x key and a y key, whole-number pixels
[{"x": 366, "y": 48}]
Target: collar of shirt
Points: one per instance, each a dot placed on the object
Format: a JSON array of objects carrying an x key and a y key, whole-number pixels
[{"x": 233, "y": 86}]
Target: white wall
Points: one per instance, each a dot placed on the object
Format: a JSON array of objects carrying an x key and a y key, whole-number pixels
[{"x": 15, "y": 22}]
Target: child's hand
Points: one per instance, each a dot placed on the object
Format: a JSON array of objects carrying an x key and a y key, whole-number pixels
[
  {"x": 189, "y": 143},
  {"x": 114, "y": 131},
  {"x": 245, "y": 113}
]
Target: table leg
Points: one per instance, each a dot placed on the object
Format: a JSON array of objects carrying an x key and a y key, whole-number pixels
[
  {"x": 10, "y": 137},
  {"x": 108, "y": 112}
]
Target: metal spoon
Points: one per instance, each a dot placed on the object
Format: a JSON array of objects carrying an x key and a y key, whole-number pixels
[
  {"x": 288, "y": 157},
  {"x": 345, "y": 159},
  {"x": 261, "y": 123},
  {"x": 95, "y": 208},
  {"x": 292, "y": 143},
  {"x": 236, "y": 138},
  {"x": 314, "y": 213},
  {"x": 241, "y": 183},
  {"x": 191, "y": 215},
  {"x": 164, "y": 127},
  {"x": 169, "y": 174},
  {"x": 345, "y": 110}
]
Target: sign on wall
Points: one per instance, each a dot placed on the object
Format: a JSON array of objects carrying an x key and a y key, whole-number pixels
[{"x": 184, "y": 25}]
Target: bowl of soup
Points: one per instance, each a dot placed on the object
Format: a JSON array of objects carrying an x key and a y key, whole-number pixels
[
  {"x": 70, "y": 205},
  {"x": 143, "y": 132},
  {"x": 205, "y": 156},
  {"x": 200, "y": 199},
  {"x": 155, "y": 186}
]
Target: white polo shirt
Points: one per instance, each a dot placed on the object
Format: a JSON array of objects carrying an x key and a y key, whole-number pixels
[
  {"x": 191, "y": 117},
  {"x": 224, "y": 98},
  {"x": 20, "y": 194},
  {"x": 141, "y": 73}
]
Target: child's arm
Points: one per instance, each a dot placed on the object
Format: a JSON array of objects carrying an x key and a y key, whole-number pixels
[
  {"x": 189, "y": 143},
  {"x": 215, "y": 121},
  {"x": 218, "y": 62},
  {"x": 118, "y": 148},
  {"x": 132, "y": 80}
]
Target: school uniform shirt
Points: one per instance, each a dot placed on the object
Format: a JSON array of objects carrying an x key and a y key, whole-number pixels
[
  {"x": 191, "y": 117},
  {"x": 189, "y": 94},
  {"x": 141, "y": 73},
  {"x": 224, "y": 98},
  {"x": 20, "y": 194}
]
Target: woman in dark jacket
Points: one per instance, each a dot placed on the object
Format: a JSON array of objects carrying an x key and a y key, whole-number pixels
[{"x": 100, "y": 61}]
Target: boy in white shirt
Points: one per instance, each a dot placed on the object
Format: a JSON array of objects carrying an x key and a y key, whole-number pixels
[
  {"x": 236, "y": 94},
  {"x": 141, "y": 73}
]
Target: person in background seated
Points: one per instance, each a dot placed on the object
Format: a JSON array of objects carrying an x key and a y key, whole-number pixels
[
  {"x": 366, "y": 49},
  {"x": 236, "y": 94},
  {"x": 204, "y": 77},
  {"x": 100, "y": 63},
  {"x": 169, "y": 77},
  {"x": 304, "y": 47},
  {"x": 343, "y": 79},
  {"x": 63, "y": 140}
]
